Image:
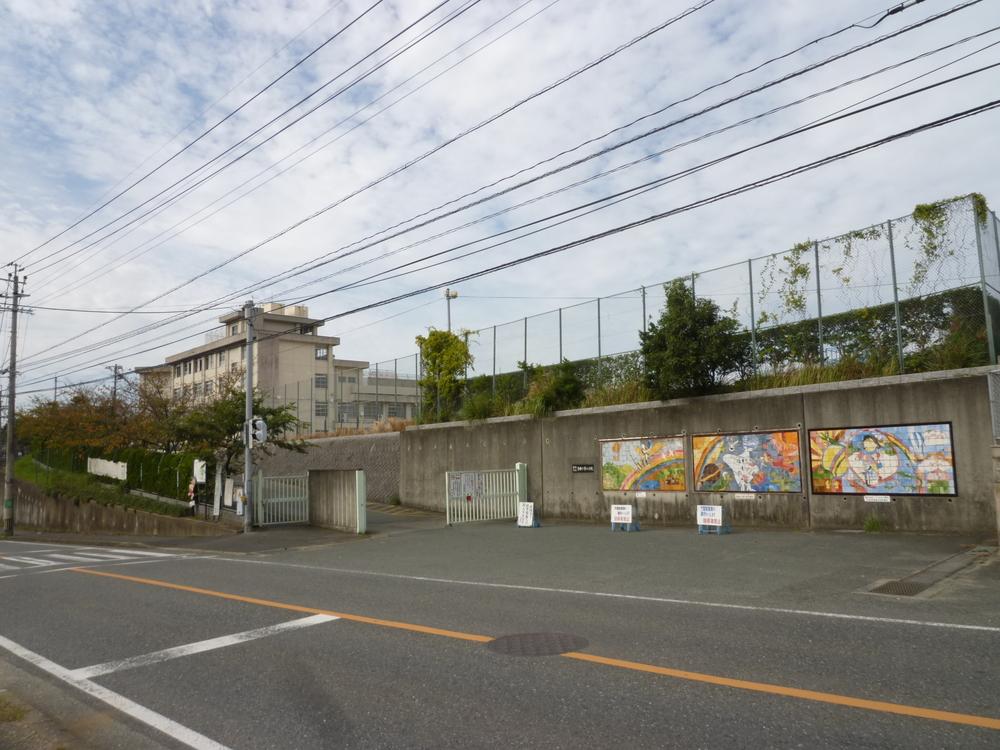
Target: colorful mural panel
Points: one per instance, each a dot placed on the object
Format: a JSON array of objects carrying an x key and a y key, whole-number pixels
[
  {"x": 889, "y": 460},
  {"x": 747, "y": 462},
  {"x": 649, "y": 464}
]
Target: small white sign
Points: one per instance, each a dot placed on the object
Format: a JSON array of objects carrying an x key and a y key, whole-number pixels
[
  {"x": 621, "y": 514},
  {"x": 239, "y": 507},
  {"x": 227, "y": 494},
  {"x": 200, "y": 470},
  {"x": 878, "y": 499},
  {"x": 710, "y": 515},
  {"x": 741, "y": 496},
  {"x": 641, "y": 495},
  {"x": 526, "y": 514}
]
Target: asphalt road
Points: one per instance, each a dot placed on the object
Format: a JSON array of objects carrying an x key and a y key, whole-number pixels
[{"x": 755, "y": 640}]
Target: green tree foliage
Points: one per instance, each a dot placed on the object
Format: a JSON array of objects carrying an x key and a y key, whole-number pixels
[
  {"x": 693, "y": 348},
  {"x": 216, "y": 426},
  {"x": 445, "y": 358}
]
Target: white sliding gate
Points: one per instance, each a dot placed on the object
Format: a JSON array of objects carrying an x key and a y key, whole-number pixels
[
  {"x": 484, "y": 495},
  {"x": 281, "y": 500}
]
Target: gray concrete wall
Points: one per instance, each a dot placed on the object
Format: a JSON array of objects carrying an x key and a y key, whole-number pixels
[
  {"x": 429, "y": 451},
  {"x": 377, "y": 455},
  {"x": 333, "y": 500},
  {"x": 38, "y": 511},
  {"x": 551, "y": 446}
]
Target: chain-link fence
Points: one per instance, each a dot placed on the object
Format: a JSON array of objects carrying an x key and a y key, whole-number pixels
[
  {"x": 916, "y": 293},
  {"x": 352, "y": 398}
]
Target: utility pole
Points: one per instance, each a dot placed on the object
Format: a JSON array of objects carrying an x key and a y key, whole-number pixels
[
  {"x": 449, "y": 295},
  {"x": 55, "y": 388},
  {"x": 248, "y": 313},
  {"x": 8, "y": 494},
  {"x": 116, "y": 371}
]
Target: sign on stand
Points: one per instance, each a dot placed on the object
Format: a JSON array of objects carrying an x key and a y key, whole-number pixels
[
  {"x": 200, "y": 469},
  {"x": 526, "y": 516},
  {"x": 713, "y": 519},
  {"x": 622, "y": 518}
]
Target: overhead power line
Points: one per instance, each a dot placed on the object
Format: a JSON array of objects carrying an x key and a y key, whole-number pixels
[
  {"x": 169, "y": 233},
  {"x": 746, "y": 187},
  {"x": 49, "y": 360},
  {"x": 655, "y": 217},
  {"x": 493, "y": 118},
  {"x": 203, "y": 134}
]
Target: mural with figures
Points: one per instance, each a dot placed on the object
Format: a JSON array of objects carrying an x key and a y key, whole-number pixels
[
  {"x": 916, "y": 459},
  {"x": 649, "y": 464},
  {"x": 747, "y": 462}
]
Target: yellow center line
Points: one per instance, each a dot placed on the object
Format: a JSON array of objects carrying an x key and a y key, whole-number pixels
[
  {"x": 984, "y": 722},
  {"x": 291, "y": 607}
]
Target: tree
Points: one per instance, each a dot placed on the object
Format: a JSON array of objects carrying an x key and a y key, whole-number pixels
[
  {"x": 155, "y": 415},
  {"x": 216, "y": 426},
  {"x": 445, "y": 358},
  {"x": 693, "y": 347}
]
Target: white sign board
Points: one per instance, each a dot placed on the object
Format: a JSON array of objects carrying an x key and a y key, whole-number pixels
[
  {"x": 740, "y": 496},
  {"x": 878, "y": 499},
  {"x": 200, "y": 470},
  {"x": 621, "y": 514},
  {"x": 710, "y": 515},
  {"x": 471, "y": 484},
  {"x": 227, "y": 494},
  {"x": 526, "y": 514},
  {"x": 114, "y": 469}
]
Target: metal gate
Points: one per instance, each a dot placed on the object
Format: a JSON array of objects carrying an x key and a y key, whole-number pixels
[
  {"x": 281, "y": 499},
  {"x": 484, "y": 495}
]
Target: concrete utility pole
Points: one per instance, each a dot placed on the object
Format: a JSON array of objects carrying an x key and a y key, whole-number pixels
[
  {"x": 248, "y": 313},
  {"x": 8, "y": 494},
  {"x": 116, "y": 373},
  {"x": 449, "y": 295}
]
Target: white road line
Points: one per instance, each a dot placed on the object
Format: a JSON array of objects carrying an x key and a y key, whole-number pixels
[
  {"x": 32, "y": 561},
  {"x": 76, "y": 558},
  {"x": 140, "y": 713},
  {"x": 137, "y": 552},
  {"x": 199, "y": 647},
  {"x": 628, "y": 597}
]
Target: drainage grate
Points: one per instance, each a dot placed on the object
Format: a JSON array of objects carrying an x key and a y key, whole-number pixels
[
  {"x": 536, "y": 644},
  {"x": 900, "y": 588}
]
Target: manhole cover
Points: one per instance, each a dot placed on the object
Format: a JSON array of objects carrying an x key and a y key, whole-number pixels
[
  {"x": 536, "y": 644},
  {"x": 900, "y": 588}
]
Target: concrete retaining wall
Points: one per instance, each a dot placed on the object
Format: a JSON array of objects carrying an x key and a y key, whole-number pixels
[
  {"x": 37, "y": 511},
  {"x": 377, "y": 455},
  {"x": 551, "y": 446}
]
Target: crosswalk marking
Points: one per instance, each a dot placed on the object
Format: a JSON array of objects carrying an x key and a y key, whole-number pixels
[
  {"x": 32, "y": 561},
  {"x": 81, "y": 558},
  {"x": 62, "y": 557}
]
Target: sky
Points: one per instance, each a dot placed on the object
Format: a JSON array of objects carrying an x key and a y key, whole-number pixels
[{"x": 417, "y": 105}]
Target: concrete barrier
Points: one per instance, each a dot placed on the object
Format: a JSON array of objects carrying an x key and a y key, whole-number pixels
[
  {"x": 553, "y": 445},
  {"x": 37, "y": 511}
]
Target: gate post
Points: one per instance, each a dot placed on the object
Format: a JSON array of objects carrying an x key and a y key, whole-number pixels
[
  {"x": 361, "y": 493},
  {"x": 522, "y": 482}
]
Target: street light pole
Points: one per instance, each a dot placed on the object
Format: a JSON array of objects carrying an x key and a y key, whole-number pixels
[{"x": 449, "y": 295}]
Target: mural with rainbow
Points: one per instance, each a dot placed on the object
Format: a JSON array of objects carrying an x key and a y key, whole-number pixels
[
  {"x": 916, "y": 459},
  {"x": 654, "y": 464}
]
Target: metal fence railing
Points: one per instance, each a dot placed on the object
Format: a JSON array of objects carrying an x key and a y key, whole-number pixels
[{"x": 916, "y": 293}]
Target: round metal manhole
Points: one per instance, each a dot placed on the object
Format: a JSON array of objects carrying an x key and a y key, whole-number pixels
[{"x": 536, "y": 644}]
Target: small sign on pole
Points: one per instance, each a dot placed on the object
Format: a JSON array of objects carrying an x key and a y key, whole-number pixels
[
  {"x": 526, "y": 516},
  {"x": 713, "y": 519},
  {"x": 622, "y": 517},
  {"x": 200, "y": 471}
]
